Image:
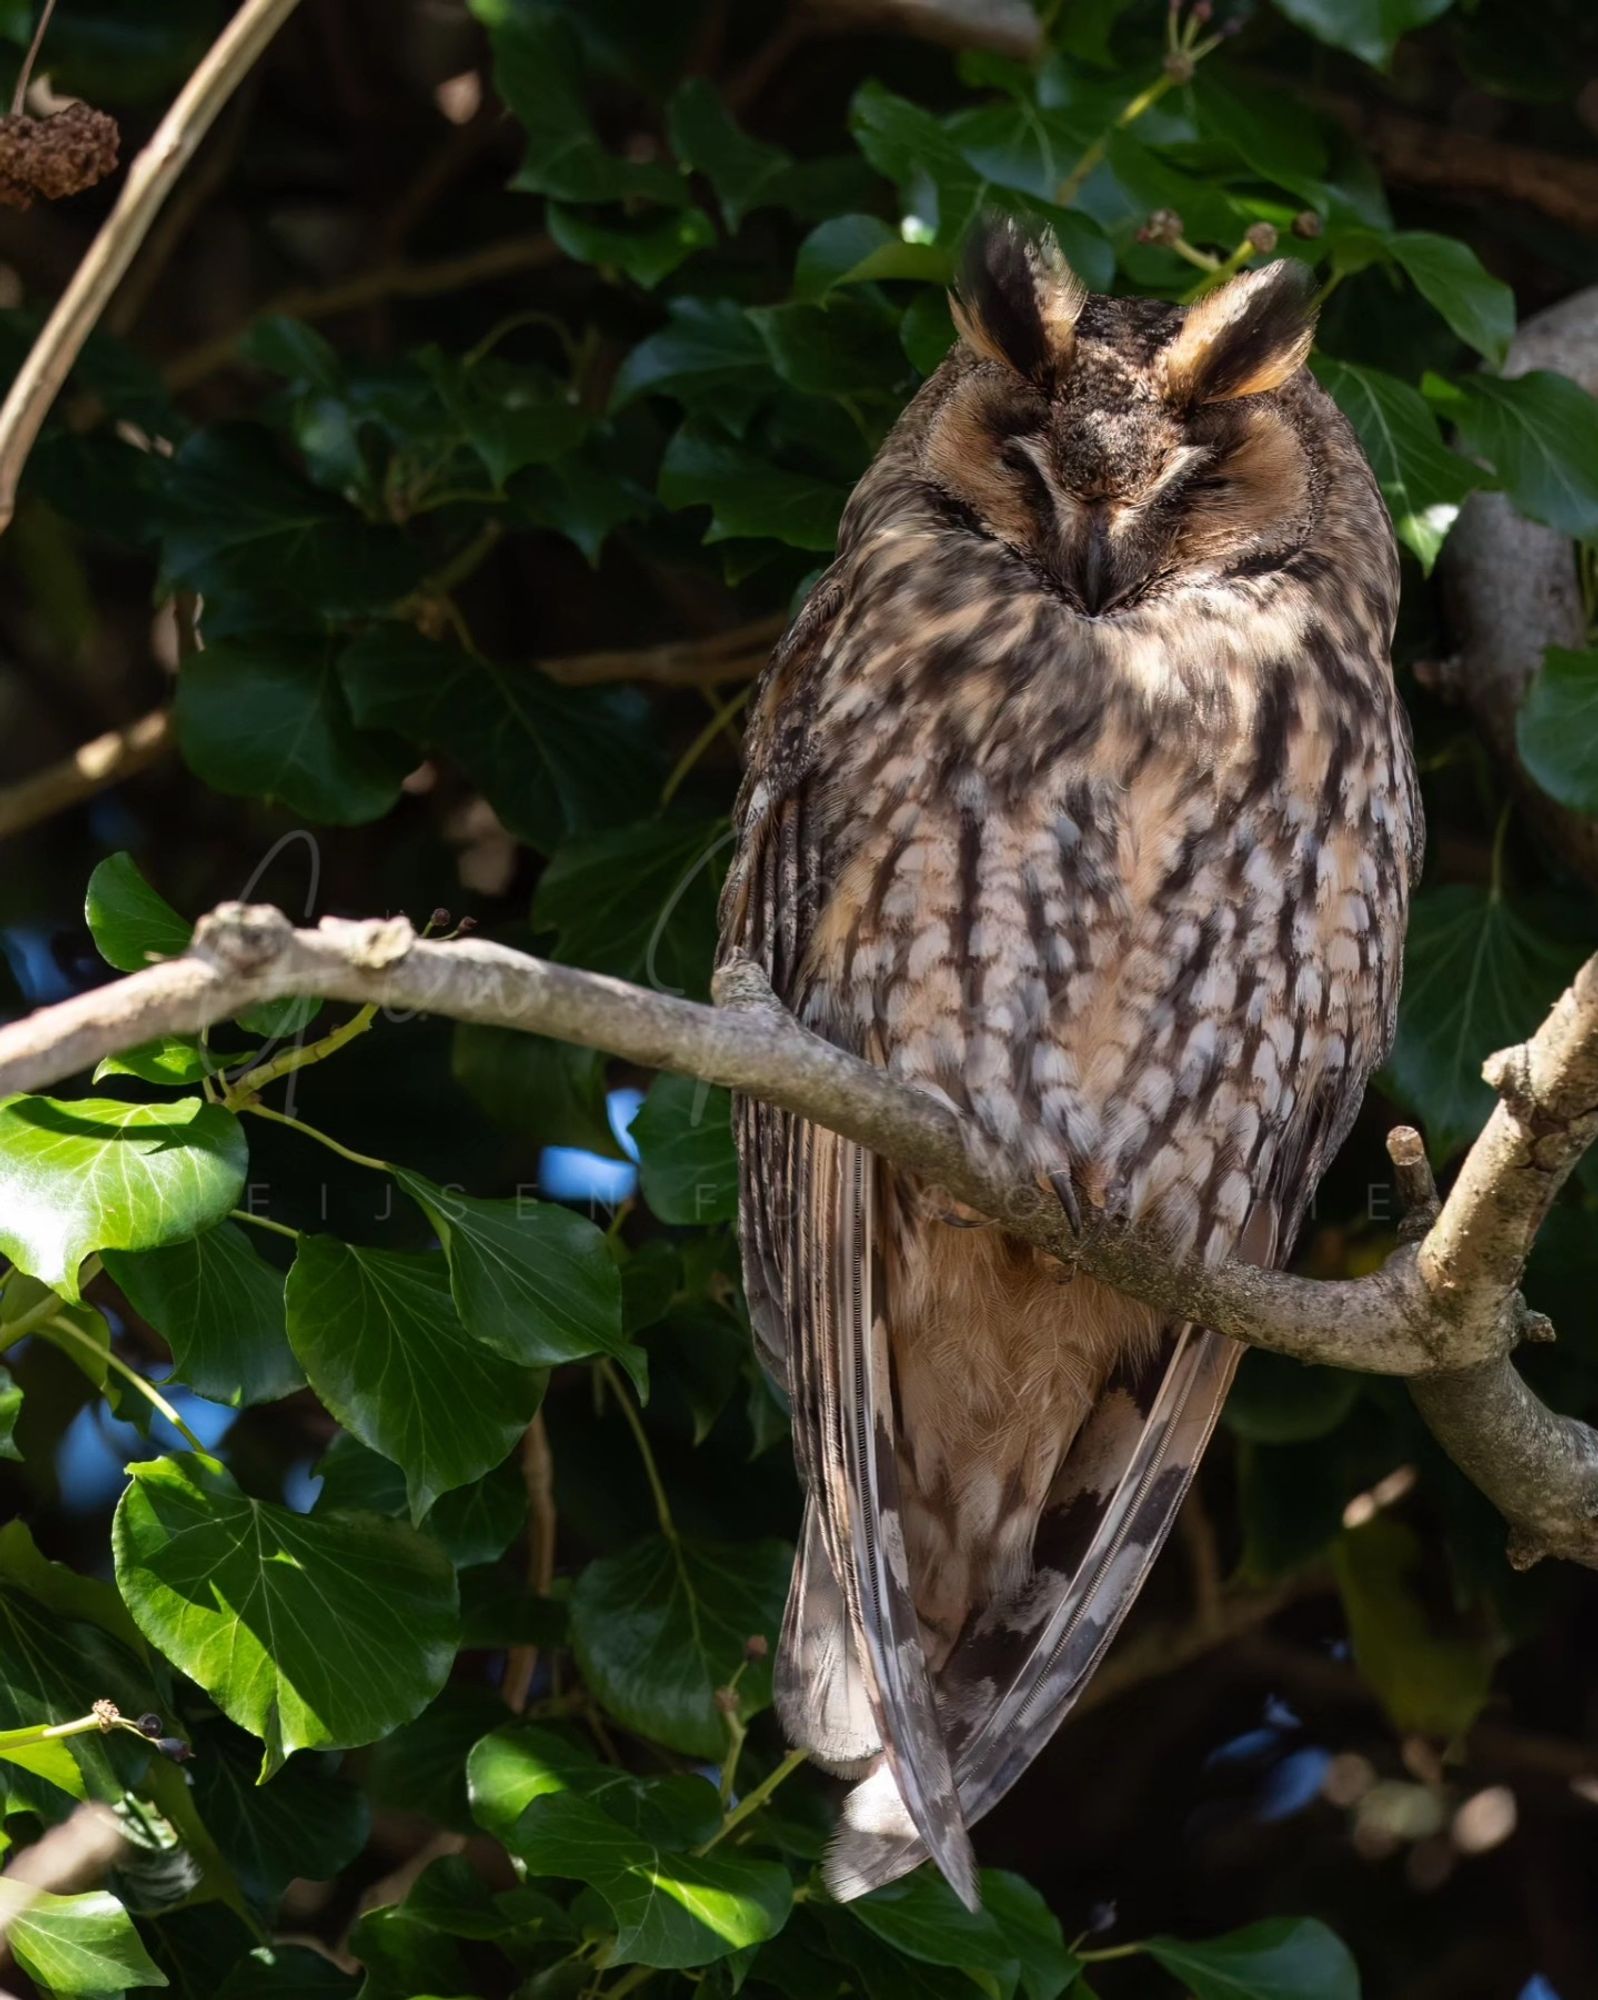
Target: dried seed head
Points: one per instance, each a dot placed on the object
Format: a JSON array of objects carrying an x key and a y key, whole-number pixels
[
  {"x": 757, "y": 1646},
  {"x": 56, "y": 156},
  {"x": 1163, "y": 226},
  {"x": 727, "y": 1700},
  {"x": 1307, "y": 224},
  {"x": 1261, "y": 236}
]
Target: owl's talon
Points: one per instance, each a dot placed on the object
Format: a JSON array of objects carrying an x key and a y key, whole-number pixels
[{"x": 1062, "y": 1185}]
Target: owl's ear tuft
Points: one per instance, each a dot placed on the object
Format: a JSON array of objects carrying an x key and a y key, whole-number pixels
[
  {"x": 1249, "y": 335},
  {"x": 1016, "y": 300}
]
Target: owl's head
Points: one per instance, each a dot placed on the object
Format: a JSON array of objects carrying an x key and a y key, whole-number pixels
[{"x": 1123, "y": 444}]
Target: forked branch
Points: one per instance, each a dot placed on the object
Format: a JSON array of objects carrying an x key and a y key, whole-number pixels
[{"x": 1444, "y": 1311}]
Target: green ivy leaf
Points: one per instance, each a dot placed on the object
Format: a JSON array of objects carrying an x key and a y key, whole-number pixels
[
  {"x": 218, "y": 1305},
  {"x": 10, "y": 1411},
  {"x": 1539, "y": 432},
  {"x": 747, "y": 495},
  {"x": 1422, "y": 481},
  {"x": 551, "y": 760},
  {"x": 658, "y": 1629},
  {"x": 1286, "y": 1958},
  {"x": 745, "y": 173},
  {"x": 530, "y": 1279},
  {"x": 543, "y": 1090},
  {"x": 1432, "y": 1672},
  {"x": 92, "y": 1174},
  {"x": 846, "y": 348},
  {"x": 670, "y": 1909},
  {"x": 921, "y": 1917},
  {"x": 834, "y": 251},
  {"x": 687, "y": 1166},
  {"x": 65, "y": 1643},
  {"x": 378, "y": 1336},
  {"x": 538, "y": 72},
  {"x": 1556, "y": 730},
  {"x": 518, "y": 1763},
  {"x": 307, "y": 1822},
  {"x": 267, "y": 718},
  {"x": 131, "y": 924},
  {"x": 75, "y": 1944},
  {"x": 1478, "y": 977},
  {"x": 474, "y": 1524},
  {"x": 1449, "y": 275},
  {"x": 311, "y": 1634},
  {"x": 709, "y": 356},
  {"x": 638, "y": 902},
  {"x": 241, "y": 524},
  {"x": 422, "y": 1767},
  {"x": 1369, "y": 29},
  {"x": 171, "y": 1061},
  {"x": 511, "y": 416},
  {"x": 645, "y": 251},
  {"x": 926, "y": 333},
  {"x": 1030, "y": 1933},
  {"x": 1271, "y": 133}
]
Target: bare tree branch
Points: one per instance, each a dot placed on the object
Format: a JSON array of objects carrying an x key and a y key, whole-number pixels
[
  {"x": 106, "y": 760},
  {"x": 1444, "y": 1312},
  {"x": 150, "y": 180}
]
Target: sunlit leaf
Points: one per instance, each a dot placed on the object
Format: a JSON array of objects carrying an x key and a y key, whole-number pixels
[
  {"x": 1422, "y": 481},
  {"x": 1448, "y": 273},
  {"x": 381, "y": 1343},
  {"x": 309, "y": 1633},
  {"x": 218, "y": 1304},
  {"x": 75, "y": 1944},
  {"x": 1366, "y": 28},
  {"x": 1539, "y": 433},
  {"x": 1556, "y": 730},
  {"x": 131, "y": 924},
  {"x": 94, "y": 1174}
]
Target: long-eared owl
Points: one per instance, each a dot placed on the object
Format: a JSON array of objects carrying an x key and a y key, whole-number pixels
[{"x": 1078, "y": 795}]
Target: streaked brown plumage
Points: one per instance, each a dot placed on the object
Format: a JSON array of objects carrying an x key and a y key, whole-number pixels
[{"x": 1078, "y": 794}]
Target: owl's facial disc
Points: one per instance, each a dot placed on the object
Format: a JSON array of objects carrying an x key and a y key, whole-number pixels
[{"x": 1123, "y": 444}]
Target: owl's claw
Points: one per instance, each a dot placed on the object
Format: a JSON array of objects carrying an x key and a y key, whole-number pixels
[{"x": 1063, "y": 1186}]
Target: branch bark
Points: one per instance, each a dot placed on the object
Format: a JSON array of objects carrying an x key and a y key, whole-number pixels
[{"x": 1444, "y": 1312}]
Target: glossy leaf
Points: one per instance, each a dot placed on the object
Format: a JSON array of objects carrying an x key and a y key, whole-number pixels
[
  {"x": 534, "y": 1086},
  {"x": 530, "y": 1279},
  {"x": 94, "y": 1174},
  {"x": 1556, "y": 730},
  {"x": 75, "y": 1944},
  {"x": 1422, "y": 481},
  {"x": 747, "y": 495},
  {"x": 1449, "y": 274},
  {"x": 218, "y": 1304},
  {"x": 658, "y": 1629},
  {"x": 269, "y": 719},
  {"x": 378, "y": 1336},
  {"x": 638, "y": 902},
  {"x": 551, "y": 760},
  {"x": 1539, "y": 433},
  {"x": 1286, "y": 1958},
  {"x": 309, "y": 1633},
  {"x": 306, "y": 1822},
  {"x": 708, "y": 356},
  {"x": 131, "y": 924},
  {"x": 172, "y": 1061},
  {"x": 746, "y": 173},
  {"x": 1369, "y": 29},
  {"x": 1478, "y": 977},
  {"x": 670, "y": 1908},
  {"x": 687, "y": 1166},
  {"x": 473, "y": 1524},
  {"x": 645, "y": 251},
  {"x": 1030, "y": 1933},
  {"x": 921, "y": 1917}
]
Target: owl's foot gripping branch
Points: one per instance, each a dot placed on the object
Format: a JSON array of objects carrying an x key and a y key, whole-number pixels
[{"x": 1444, "y": 1312}]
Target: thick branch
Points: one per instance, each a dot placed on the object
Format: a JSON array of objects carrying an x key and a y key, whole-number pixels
[{"x": 1444, "y": 1313}]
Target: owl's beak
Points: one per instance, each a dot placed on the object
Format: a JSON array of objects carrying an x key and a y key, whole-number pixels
[{"x": 1098, "y": 568}]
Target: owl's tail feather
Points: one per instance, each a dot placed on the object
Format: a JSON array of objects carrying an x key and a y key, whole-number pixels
[
  {"x": 822, "y": 1699},
  {"x": 1023, "y": 1661}
]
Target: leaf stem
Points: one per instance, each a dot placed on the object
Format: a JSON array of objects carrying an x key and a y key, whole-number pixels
[
  {"x": 751, "y": 1802},
  {"x": 253, "y": 1081},
  {"x": 322, "y": 1138},
  {"x": 45, "y": 1310},
  {"x": 25, "y": 75},
  {"x": 1129, "y": 113},
  {"x": 612, "y": 1380},
  {"x": 266, "y": 1222},
  {"x": 61, "y": 1324},
  {"x": 723, "y": 713}
]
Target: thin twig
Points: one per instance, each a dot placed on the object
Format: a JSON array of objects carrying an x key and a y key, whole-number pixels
[
  {"x": 19, "y": 96},
  {"x": 150, "y": 180},
  {"x": 92, "y": 767},
  {"x": 538, "y": 1476}
]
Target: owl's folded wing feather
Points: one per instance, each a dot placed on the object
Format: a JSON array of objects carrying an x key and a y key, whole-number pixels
[{"x": 807, "y": 1209}]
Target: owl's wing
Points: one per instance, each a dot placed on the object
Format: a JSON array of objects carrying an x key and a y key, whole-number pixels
[{"x": 808, "y": 1217}]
